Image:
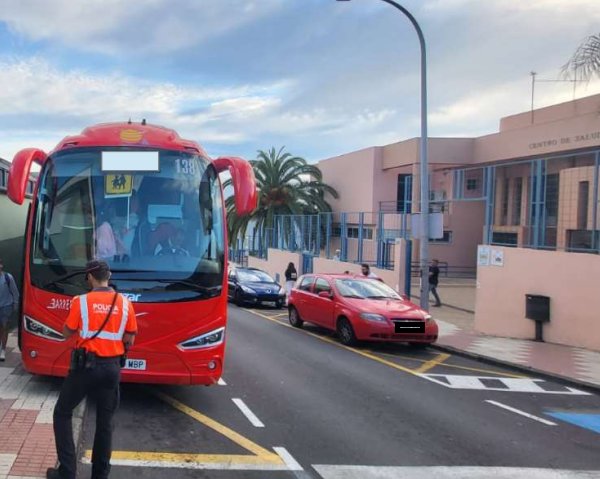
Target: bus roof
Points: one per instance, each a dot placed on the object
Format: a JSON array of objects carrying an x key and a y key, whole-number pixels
[{"x": 130, "y": 134}]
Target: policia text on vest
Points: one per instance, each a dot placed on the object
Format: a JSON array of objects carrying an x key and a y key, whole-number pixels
[{"x": 105, "y": 325}]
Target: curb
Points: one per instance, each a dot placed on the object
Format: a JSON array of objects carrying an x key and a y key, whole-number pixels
[{"x": 565, "y": 380}]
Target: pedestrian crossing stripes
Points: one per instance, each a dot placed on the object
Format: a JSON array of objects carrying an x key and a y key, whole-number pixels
[{"x": 493, "y": 383}]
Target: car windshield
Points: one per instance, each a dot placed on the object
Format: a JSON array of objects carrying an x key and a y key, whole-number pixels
[
  {"x": 156, "y": 229},
  {"x": 246, "y": 276},
  {"x": 365, "y": 288}
]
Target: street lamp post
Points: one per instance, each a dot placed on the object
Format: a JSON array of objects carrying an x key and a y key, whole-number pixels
[{"x": 423, "y": 166}]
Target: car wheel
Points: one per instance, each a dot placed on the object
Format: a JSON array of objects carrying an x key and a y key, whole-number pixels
[
  {"x": 346, "y": 332},
  {"x": 294, "y": 318},
  {"x": 238, "y": 298}
]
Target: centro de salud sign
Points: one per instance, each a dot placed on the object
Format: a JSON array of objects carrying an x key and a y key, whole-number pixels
[{"x": 565, "y": 140}]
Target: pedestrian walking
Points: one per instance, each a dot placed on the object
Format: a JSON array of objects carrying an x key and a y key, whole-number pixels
[
  {"x": 291, "y": 275},
  {"x": 105, "y": 324},
  {"x": 434, "y": 273},
  {"x": 9, "y": 303}
]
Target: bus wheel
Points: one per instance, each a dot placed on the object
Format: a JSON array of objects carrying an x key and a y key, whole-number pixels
[{"x": 294, "y": 318}]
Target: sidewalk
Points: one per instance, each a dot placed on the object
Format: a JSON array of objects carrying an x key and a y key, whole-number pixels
[
  {"x": 26, "y": 404},
  {"x": 457, "y": 335}
]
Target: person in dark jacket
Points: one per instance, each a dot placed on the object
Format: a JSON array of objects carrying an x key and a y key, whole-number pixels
[
  {"x": 291, "y": 275},
  {"x": 434, "y": 273}
]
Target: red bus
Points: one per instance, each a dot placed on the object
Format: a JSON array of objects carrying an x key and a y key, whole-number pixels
[{"x": 151, "y": 204}]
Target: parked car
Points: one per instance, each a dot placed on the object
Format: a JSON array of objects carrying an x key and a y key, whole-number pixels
[
  {"x": 253, "y": 286},
  {"x": 359, "y": 309}
]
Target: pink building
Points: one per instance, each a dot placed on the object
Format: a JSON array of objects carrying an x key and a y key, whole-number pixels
[{"x": 532, "y": 184}]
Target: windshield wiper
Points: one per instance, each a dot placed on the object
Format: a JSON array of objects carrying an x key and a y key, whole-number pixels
[
  {"x": 209, "y": 291},
  {"x": 60, "y": 279},
  {"x": 380, "y": 297},
  {"x": 353, "y": 296}
]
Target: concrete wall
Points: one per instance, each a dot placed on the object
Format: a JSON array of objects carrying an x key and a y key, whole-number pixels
[
  {"x": 278, "y": 260},
  {"x": 569, "y": 279},
  {"x": 352, "y": 175}
]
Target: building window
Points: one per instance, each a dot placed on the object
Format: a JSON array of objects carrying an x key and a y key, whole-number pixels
[
  {"x": 505, "y": 239},
  {"x": 583, "y": 196},
  {"x": 517, "y": 199},
  {"x": 352, "y": 232},
  {"x": 504, "y": 204},
  {"x": 447, "y": 238},
  {"x": 404, "y": 194},
  {"x": 551, "y": 200},
  {"x": 471, "y": 184}
]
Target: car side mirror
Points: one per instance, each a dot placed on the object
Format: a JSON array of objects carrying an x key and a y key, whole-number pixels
[{"x": 325, "y": 294}]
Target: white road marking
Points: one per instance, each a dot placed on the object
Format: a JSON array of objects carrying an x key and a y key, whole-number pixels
[
  {"x": 221, "y": 382},
  {"x": 248, "y": 413},
  {"x": 6, "y": 463},
  {"x": 522, "y": 413},
  {"x": 226, "y": 466},
  {"x": 290, "y": 462},
  {"x": 448, "y": 472},
  {"x": 521, "y": 385}
]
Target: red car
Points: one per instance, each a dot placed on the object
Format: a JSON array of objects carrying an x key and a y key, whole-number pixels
[{"x": 359, "y": 309}]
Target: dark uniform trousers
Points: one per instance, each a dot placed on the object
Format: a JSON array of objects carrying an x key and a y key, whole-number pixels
[{"x": 100, "y": 382}]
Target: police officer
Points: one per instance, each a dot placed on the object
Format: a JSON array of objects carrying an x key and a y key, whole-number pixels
[{"x": 99, "y": 376}]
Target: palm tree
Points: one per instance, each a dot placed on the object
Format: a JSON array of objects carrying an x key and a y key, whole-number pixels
[
  {"x": 287, "y": 185},
  {"x": 585, "y": 62}
]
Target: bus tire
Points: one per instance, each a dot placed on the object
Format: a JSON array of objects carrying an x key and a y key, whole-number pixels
[{"x": 294, "y": 318}]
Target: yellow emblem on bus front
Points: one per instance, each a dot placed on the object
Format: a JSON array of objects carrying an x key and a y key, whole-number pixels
[{"x": 131, "y": 136}]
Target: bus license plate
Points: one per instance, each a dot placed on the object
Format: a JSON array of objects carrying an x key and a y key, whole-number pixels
[{"x": 137, "y": 364}]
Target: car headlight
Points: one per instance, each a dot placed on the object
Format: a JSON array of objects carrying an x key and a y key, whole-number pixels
[
  {"x": 40, "y": 329},
  {"x": 373, "y": 317},
  {"x": 212, "y": 338},
  {"x": 248, "y": 290},
  {"x": 427, "y": 317}
]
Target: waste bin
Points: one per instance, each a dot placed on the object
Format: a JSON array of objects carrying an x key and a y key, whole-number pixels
[{"x": 537, "y": 308}]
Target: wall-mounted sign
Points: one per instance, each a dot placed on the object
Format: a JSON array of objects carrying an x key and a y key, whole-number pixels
[
  {"x": 497, "y": 257},
  {"x": 565, "y": 140},
  {"x": 483, "y": 255}
]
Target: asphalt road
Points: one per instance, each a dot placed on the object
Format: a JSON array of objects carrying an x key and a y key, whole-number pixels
[{"x": 297, "y": 404}]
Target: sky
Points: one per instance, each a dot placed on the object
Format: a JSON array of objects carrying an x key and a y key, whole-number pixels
[{"x": 320, "y": 77}]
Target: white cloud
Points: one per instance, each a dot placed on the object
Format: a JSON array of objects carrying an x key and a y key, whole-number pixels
[{"x": 112, "y": 26}]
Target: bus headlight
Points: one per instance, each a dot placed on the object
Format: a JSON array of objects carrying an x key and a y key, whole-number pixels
[
  {"x": 212, "y": 338},
  {"x": 39, "y": 329}
]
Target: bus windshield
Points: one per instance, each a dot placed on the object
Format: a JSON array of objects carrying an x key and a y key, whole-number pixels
[{"x": 160, "y": 231}]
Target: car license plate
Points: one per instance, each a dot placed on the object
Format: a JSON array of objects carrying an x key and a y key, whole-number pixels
[
  {"x": 409, "y": 326},
  {"x": 137, "y": 364}
]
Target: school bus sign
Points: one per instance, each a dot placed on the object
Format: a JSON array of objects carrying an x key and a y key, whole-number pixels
[{"x": 118, "y": 185}]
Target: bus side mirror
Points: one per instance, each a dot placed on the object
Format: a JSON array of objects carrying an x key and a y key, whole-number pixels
[
  {"x": 18, "y": 176},
  {"x": 243, "y": 180}
]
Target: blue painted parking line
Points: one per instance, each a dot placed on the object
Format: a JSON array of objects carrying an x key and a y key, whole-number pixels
[{"x": 586, "y": 420}]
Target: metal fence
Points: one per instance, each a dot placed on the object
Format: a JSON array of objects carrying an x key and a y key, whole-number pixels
[
  {"x": 354, "y": 237},
  {"x": 546, "y": 203}
]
